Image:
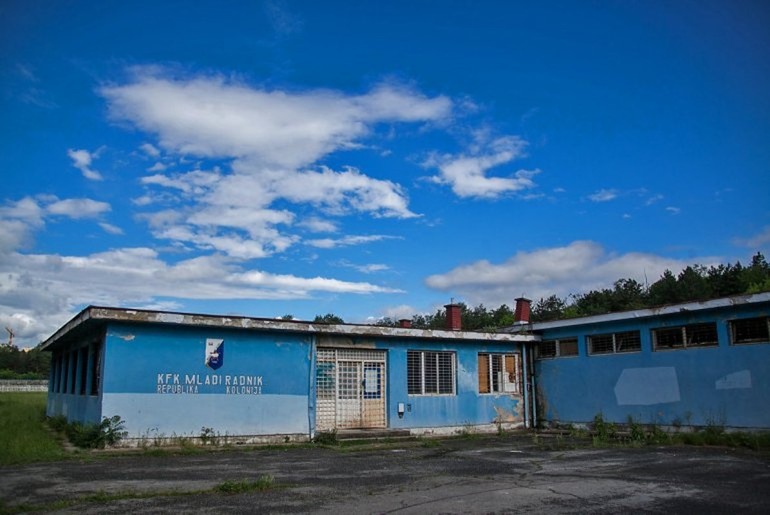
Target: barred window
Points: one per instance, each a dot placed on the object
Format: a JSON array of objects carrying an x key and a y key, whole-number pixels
[
  {"x": 613, "y": 343},
  {"x": 557, "y": 348},
  {"x": 499, "y": 373},
  {"x": 430, "y": 373},
  {"x": 750, "y": 330},
  {"x": 683, "y": 337}
]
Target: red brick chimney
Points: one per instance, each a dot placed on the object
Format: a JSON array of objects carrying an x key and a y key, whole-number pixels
[
  {"x": 405, "y": 323},
  {"x": 453, "y": 317},
  {"x": 521, "y": 314}
]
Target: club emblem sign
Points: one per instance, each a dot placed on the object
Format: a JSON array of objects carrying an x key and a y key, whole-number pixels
[{"x": 215, "y": 353}]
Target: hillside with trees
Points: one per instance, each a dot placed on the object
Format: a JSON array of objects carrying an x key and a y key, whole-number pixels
[{"x": 694, "y": 283}]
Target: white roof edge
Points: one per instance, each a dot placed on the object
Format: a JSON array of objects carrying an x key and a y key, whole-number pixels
[
  {"x": 107, "y": 314},
  {"x": 736, "y": 300}
]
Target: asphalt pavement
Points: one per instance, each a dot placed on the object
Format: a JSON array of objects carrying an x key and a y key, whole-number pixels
[{"x": 493, "y": 474}]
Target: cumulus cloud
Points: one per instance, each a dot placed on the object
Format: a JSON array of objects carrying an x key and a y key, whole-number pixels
[
  {"x": 213, "y": 117},
  {"x": 578, "y": 267},
  {"x": 274, "y": 141},
  {"x": 40, "y": 292},
  {"x": 82, "y": 159},
  {"x": 603, "y": 195},
  {"x": 466, "y": 173},
  {"x": 77, "y": 208}
]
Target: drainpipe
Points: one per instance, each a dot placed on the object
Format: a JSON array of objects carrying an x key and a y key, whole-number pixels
[
  {"x": 525, "y": 368},
  {"x": 534, "y": 393},
  {"x": 311, "y": 393}
]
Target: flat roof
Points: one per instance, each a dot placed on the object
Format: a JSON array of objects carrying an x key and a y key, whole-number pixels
[
  {"x": 672, "y": 309},
  {"x": 95, "y": 316}
]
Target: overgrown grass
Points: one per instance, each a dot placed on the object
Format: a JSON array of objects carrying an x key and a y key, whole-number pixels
[
  {"x": 23, "y": 431},
  {"x": 264, "y": 482}
]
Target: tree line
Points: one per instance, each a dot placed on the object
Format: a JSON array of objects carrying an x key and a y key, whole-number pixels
[
  {"x": 23, "y": 364},
  {"x": 694, "y": 283}
]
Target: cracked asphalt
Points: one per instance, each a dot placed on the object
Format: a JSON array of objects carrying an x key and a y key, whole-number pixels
[{"x": 508, "y": 474}]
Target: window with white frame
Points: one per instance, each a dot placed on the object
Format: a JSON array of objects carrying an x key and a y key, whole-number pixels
[
  {"x": 499, "y": 373},
  {"x": 430, "y": 373},
  {"x": 615, "y": 343},
  {"x": 561, "y": 347},
  {"x": 686, "y": 336},
  {"x": 750, "y": 330}
]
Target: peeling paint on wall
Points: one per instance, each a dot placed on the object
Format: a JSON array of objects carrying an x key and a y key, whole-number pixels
[
  {"x": 735, "y": 381},
  {"x": 647, "y": 386},
  {"x": 504, "y": 415}
]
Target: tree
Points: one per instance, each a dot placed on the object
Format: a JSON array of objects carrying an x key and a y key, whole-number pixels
[
  {"x": 692, "y": 285},
  {"x": 551, "y": 308},
  {"x": 664, "y": 290},
  {"x": 328, "y": 318}
]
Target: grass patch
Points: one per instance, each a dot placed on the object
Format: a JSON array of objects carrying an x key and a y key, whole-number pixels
[
  {"x": 264, "y": 482},
  {"x": 25, "y": 437}
]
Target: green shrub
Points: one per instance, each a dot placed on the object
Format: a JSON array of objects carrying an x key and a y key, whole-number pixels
[
  {"x": 326, "y": 437},
  {"x": 95, "y": 436},
  {"x": 603, "y": 431}
]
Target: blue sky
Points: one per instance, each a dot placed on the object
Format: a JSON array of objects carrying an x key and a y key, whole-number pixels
[{"x": 371, "y": 159}]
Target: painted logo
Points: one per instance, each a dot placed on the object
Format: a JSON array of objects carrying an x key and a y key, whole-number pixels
[{"x": 215, "y": 353}]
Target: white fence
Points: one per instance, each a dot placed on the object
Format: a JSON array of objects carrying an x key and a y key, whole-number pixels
[{"x": 23, "y": 385}]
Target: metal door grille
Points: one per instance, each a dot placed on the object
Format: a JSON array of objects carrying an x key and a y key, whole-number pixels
[{"x": 350, "y": 389}]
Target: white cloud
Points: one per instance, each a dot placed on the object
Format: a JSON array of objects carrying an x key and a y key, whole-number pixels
[
  {"x": 213, "y": 117},
  {"x": 78, "y": 208},
  {"x": 758, "y": 241},
  {"x": 652, "y": 200},
  {"x": 366, "y": 269},
  {"x": 111, "y": 229},
  {"x": 40, "y": 292},
  {"x": 578, "y": 267},
  {"x": 673, "y": 210},
  {"x": 315, "y": 224},
  {"x": 150, "y": 149},
  {"x": 347, "y": 241},
  {"x": 466, "y": 173},
  {"x": 157, "y": 167},
  {"x": 603, "y": 195},
  {"x": 82, "y": 159},
  {"x": 273, "y": 141}
]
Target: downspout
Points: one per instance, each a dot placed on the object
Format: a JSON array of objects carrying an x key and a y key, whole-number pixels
[
  {"x": 311, "y": 396},
  {"x": 534, "y": 393},
  {"x": 525, "y": 368}
]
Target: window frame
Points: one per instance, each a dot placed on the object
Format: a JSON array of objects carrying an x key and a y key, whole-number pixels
[
  {"x": 426, "y": 368},
  {"x": 493, "y": 383},
  {"x": 557, "y": 343},
  {"x": 616, "y": 344},
  {"x": 749, "y": 341},
  {"x": 682, "y": 342}
]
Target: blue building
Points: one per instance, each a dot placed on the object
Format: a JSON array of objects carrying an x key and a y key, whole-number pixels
[
  {"x": 692, "y": 364},
  {"x": 173, "y": 374}
]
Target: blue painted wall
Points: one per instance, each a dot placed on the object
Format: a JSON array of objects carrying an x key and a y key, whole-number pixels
[
  {"x": 156, "y": 379},
  {"x": 65, "y": 395},
  {"x": 727, "y": 384},
  {"x": 467, "y": 407}
]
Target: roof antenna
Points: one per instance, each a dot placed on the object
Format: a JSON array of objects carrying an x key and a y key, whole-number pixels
[{"x": 10, "y": 336}]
